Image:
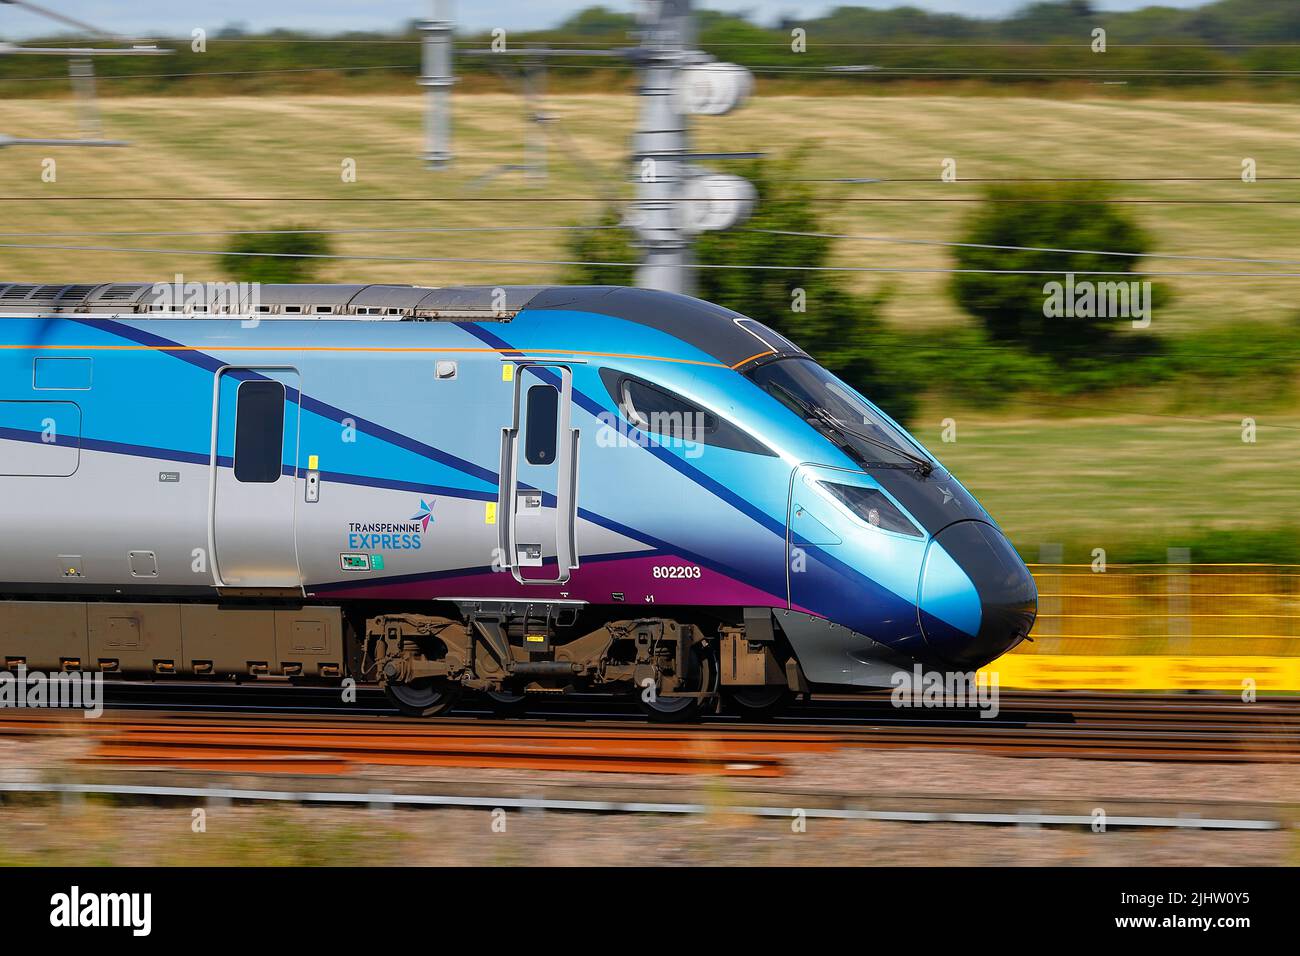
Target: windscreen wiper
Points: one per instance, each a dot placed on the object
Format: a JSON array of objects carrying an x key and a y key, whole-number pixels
[{"x": 922, "y": 465}]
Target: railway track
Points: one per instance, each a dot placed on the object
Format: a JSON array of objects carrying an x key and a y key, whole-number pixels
[{"x": 320, "y": 740}]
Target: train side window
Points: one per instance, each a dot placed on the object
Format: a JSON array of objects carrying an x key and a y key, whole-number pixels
[
  {"x": 259, "y": 431},
  {"x": 541, "y": 433},
  {"x": 654, "y": 410}
]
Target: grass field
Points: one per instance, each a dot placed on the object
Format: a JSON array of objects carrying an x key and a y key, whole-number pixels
[
  {"x": 1123, "y": 483},
  {"x": 1113, "y": 477}
]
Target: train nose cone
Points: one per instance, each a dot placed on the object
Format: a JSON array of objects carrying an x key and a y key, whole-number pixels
[{"x": 977, "y": 599}]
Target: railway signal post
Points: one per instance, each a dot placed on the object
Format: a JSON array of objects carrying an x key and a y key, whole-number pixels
[
  {"x": 675, "y": 199},
  {"x": 437, "y": 79}
]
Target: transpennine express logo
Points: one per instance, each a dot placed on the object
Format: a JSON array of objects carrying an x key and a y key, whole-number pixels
[
  {"x": 405, "y": 535},
  {"x": 424, "y": 515}
]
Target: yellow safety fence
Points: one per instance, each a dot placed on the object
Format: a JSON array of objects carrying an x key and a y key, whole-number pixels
[
  {"x": 1145, "y": 672},
  {"x": 1161, "y": 627}
]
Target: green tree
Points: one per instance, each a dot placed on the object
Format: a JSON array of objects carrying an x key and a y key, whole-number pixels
[
  {"x": 286, "y": 255},
  {"x": 598, "y": 21},
  {"x": 1008, "y": 285},
  {"x": 814, "y": 309}
]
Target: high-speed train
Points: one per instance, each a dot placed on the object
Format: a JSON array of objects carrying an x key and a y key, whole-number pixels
[{"x": 512, "y": 490}]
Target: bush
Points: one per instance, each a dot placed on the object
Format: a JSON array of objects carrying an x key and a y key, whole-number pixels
[
  {"x": 1012, "y": 305},
  {"x": 281, "y": 256},
  {"x": 609, "y": 241}
]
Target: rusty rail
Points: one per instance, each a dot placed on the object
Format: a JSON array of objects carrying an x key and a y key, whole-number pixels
[{"x": 1090, "y": 726}]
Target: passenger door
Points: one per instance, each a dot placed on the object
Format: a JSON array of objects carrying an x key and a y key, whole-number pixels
[
  {"x": 254, "y": 478},
  {"x": 538, "y": 496}
]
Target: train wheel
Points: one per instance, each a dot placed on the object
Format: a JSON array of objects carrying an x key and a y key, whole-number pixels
[
  {"x": 427, "y": 697},
  {"x": 505, "y": 703},
  {"x": 757, "y": 703},
  {"x": 670, "y": 710},
  {"x": 662, "y": 708}
]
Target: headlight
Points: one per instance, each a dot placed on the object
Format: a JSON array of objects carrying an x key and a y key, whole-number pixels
[{"x": 871, "y": 505}]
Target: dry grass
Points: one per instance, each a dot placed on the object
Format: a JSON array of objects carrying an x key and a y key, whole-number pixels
[
  {"x": 200, "y": 147},
  {"x": 1116, "y": 480}
]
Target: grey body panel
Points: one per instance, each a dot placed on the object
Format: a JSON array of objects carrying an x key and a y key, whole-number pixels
[
  {"x": 113, "y": 505},
  {"x": 831, "y": 654}
]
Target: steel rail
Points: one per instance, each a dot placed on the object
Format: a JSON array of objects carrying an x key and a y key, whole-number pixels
[{"x": 1027, "y": 817}]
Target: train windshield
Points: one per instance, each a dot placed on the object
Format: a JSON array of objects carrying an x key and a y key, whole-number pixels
[{"x": 806, "y": 387}]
